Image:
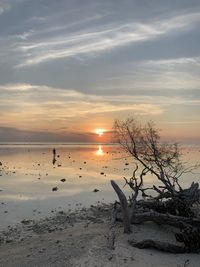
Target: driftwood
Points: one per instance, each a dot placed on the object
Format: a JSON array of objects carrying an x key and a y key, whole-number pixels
[
  {"x": 165, "y": 202},
  {"x": 124, "y": 207},
  {"x": 162, "y": 246},
  {"x": 144, "y": 211},
  {"x": 189, "y": 237},
  {"x": 161, "y": 218},
  {"x": 179, "y": 204}
]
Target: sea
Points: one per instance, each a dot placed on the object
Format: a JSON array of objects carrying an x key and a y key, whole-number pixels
[{"x": 35, "y": 183}]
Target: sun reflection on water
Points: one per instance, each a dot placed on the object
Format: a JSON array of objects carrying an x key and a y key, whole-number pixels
[{"x": 99, "y": 152}]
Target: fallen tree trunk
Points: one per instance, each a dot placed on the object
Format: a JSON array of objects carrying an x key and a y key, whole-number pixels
[
  {"x": 144, "y": 211},
  {"x": 173, "y": 206},
  {"x": 162, "y": 246},
  {"x": 124, "y": 207},
  {"x": 161, "y": 218},
  {"x": 190, "y": 237},
  {"x": 178, "y": 204}
]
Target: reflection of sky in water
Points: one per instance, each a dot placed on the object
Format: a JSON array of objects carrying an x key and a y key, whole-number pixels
[{"x": 28, "y": 177}]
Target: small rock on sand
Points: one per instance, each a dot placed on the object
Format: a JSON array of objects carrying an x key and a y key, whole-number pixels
[
  {"x": 96, "y": 190},
  {"x": 55, "y": 188}
]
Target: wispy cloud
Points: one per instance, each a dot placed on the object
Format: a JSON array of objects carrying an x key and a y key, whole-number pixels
[
  {"x": 6, "y": 5},
  {"x": 156, "y": 77},
  {"x": 32, "y": 107},
  {"x": 174, "y": 62},
  {"x": 17, "y": 87},
  {"x": 101, "y": 39}
]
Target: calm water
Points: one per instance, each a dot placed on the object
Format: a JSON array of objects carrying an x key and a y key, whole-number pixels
[{"x": 27, "y": 176}]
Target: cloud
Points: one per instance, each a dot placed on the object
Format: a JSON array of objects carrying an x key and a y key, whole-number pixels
[
  {"x": 6, "y": 5},
  {"x": 9, "y": 134},
  {"x": 17, "y": 87},
  {"x": 102, "y": 61},
  {"x": 174, "y": 62},
  {"x": 39, "y": 108},
  {"x": 157, "y": 77},
  {"x": 104, "y": 38}
]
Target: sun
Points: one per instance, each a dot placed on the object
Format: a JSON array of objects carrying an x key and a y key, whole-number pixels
[{"x": 99, "y": 131}]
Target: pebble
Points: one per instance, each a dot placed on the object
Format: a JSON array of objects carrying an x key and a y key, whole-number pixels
[
  {"x": 55, "y": 188},
  {"x": 96, "y": 190}
]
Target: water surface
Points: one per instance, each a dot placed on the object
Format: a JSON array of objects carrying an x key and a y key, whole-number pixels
[{"x": 29, "y": 173}]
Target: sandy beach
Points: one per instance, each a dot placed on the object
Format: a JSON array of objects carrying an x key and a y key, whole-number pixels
[
  {"x": 85, "y": 238},
  {"x": 99, "y": 133}
]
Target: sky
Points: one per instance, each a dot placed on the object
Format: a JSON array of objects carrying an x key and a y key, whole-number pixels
[{"x": 68, "y": 67}]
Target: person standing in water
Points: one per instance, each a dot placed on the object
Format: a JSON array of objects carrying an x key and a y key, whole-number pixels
[{"x": 54, "y": 156}]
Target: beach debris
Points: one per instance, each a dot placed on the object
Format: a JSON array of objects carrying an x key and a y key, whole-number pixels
[
  {"x": 110, "y": 257},
  {"x": 61, "y": 212},
  {"x": 102, "y": 173},
  {"x": 59, "y": 165},
  {"x": 26, "y": 221},
  {"x": 186, "y": 263},
  {"x": 55, "y": 188},
  {"x": 111, "y": 240},
  {"x": 1, "y": 163},
  {"x": 42, "y": 250},
  {"x": 96, "y": 190},
  {"x": 63, "y": 180}
]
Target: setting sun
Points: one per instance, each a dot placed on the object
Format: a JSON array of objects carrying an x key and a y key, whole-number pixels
[{"x": 99, "y": 131}]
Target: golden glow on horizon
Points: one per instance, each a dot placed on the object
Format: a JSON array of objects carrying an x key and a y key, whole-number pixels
[
  {"x": 99, "y": 131},
  {"x": 99, "y": 152}
]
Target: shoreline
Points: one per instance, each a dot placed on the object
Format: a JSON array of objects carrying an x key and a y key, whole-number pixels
[{"x": 85, "y": 238}]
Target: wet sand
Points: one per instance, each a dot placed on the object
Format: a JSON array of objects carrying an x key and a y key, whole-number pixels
[{"x": 85, "y": 238}]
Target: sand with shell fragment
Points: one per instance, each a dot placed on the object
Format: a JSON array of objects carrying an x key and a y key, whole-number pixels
[{"x": 85, "y": 238}]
